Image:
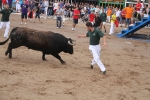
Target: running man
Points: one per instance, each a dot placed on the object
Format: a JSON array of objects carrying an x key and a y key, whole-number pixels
[
  {"x": 94, "y": 47},
  {"x": 5, "y": 19}
]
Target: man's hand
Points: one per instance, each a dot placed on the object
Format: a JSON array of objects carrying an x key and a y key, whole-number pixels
[{"x": 82, "y": 36}]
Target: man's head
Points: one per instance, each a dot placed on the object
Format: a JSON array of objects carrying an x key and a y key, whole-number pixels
[
  {"x": 89, "y": 25},
  {"x": 139, "y": 1},
  {"x": 77, "y": 7},
  {"x": 92, "y": 11},
  {"x": 97, "y": 14},
  {"x": 6, "y": 6},
  {"x": 130, "y": 5}
]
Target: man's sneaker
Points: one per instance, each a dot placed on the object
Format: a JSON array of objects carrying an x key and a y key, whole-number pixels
[
  {"x": 91, "y": 66},
  {"x": 57, "y": 27},
  {"x": 73, "y": 29},
  {"x": 21, "y": 23},
  {"x": 104, "y": 72}
]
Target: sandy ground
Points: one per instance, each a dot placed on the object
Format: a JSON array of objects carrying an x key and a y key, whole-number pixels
[{"x": 27, "y": 77}]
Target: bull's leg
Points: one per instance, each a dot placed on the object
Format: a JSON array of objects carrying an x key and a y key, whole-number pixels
[
  {"x": 9, "y": 50},
  {"x": 43, "y": 56},
  {"x": 59, "y": 58}
]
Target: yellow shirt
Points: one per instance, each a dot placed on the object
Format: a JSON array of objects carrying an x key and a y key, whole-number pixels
[{"x": 113, "y": 18}]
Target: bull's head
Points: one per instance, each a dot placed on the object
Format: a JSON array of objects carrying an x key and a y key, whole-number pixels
[{"x": 69, "y": 48}]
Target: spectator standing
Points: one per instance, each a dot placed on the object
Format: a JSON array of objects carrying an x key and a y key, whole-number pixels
[
  {"x": 122, "y": 18},
  {"x": 17, "y": 5},
  {"x": 92, "y": 17},
  {"x": 31, "y": 4},
  {"x": 46, "y": 4},
  {"x": 136, "y": 17},
  {"x": 43, "y": 10},
  {"x": 13, "y": 4},
  {"x": 63, "y": 15},
  {"x": 50, "y": 9},
  {"x": 58, "y": 17},
  {"x": 112, "y": 27},
  {"x": 129, "y": 12},
  {"x": 97, "y": 9},
  {"x": 98, "y": 21},
  {"x": 24, "y": 11},
  {"x": 92, "y": 8},
  {"x": 103, "y": 16},
  {"x": 138, "y": 6},
  {"x": 10, "y": 3},
  {"x": 37, "y": 13},
  {"x": 82, "y": 12},
  {"x": 76, "y": 15},
  {"x": 56, "y": 4},
  {"x": 4, "y": 2},
  {"x": 109, "y": 12}
]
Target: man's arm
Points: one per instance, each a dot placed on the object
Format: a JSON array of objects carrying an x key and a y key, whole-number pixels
[
  {"x": 100, "y": 26},
  {"x": 82, "y": 36},
  {"x": 104, "y": 40},
  {"x": 1, "y": 11}
]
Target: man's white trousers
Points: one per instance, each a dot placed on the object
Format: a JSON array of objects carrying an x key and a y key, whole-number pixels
[
  {"x": 7, "y": 24},
  {"x": 95, "y": 50}
]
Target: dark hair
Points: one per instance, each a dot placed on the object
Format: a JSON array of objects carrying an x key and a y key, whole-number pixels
[{"x": 89, "y": 24}]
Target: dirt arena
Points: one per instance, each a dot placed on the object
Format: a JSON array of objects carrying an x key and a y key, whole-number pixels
[{"x": 27, "y": 77}]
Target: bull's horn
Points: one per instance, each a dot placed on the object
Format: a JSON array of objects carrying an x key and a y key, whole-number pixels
[
  {"x": 71, "y": 43},
  {"x": 71, "y": 39}
]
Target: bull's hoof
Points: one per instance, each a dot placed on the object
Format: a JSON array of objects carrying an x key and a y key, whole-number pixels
[
  {"x": 6, "y": 53},
  {"x": 64, "y": 63},
  {"x": 44, "y": 59},
  {"x": 10, "y": 57}
]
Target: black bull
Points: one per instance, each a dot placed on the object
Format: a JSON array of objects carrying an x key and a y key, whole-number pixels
[{"x": 46, "y": 42}]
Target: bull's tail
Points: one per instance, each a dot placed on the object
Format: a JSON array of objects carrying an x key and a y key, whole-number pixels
[{"x": 2, "y": 43}]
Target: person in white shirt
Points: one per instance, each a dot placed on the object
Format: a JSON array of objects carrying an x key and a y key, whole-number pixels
[
  {"x": 63, "y": 15},
  {"x": 17, "y": 5},
  {"x": 97, "y": 9},
  {"x": 118, "y": 14},
  {"x": 46, "y": 4},
  {"x": 58, "y": 14},
  {"x": 56, "y": 4}
]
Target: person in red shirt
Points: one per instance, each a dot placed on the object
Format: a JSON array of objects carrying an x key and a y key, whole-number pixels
[
  {"x": 138, "y": 6},
  {"x": 123, "y": 18},
  {"x": 92, "y": 17},
  {"x": 4, "y": 2},
  {"x": 76, "y": 15}
]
